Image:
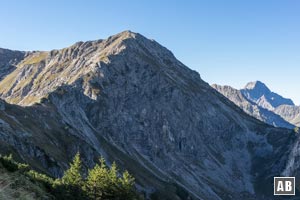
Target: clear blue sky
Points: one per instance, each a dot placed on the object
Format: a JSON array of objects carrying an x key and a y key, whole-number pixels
[{"x": 227, "y": 42}]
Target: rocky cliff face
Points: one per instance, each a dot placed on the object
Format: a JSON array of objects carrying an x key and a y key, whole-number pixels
[
  {"x": 289, "y": 113},
  {"x": 251, "y": 108},
  {"x": 8, "y": 61},
  {"x": 41, "y": 137},
  {"x": 129, "y": 99}
]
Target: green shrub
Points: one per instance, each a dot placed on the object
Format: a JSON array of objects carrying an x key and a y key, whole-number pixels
[{"x": 11, "y": 165}]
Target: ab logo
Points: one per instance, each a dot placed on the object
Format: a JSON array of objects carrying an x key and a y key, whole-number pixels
[{"x": 284, "y": 185}]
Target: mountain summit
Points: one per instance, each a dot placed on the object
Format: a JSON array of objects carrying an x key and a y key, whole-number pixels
[
  {"x": 259, "y": 101},
  {"x": 40, "y": 73},
  {"x": 251, "y": 108},
  {"x": 127, "y": 98},
  {"x": 257, "y": 85},
  {"x": 260, "y": 94}
]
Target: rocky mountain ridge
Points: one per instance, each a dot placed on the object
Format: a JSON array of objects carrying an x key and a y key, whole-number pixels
[
  {"x": 251, "y": 108},
  {"x": 257, "y": 100},
  {"x": 259, "y": 93},
  {"x": 129, "y": 99}
]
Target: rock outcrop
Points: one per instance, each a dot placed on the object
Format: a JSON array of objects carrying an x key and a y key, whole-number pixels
[
  {"x": 289, "y": 113},
  {"x": 8, "y": 61}
]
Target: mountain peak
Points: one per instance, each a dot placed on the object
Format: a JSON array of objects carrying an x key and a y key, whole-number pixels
[
  {"x": 260, "y": 94},
  {"x": 128, "y": 33},
  {"x": 45, "y": 71},
  {"x": 258, "y": 110},
  {"x": 257, "y": 85}
]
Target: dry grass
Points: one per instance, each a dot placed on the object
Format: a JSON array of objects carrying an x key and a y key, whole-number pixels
[
  {"x": 15, "y": 186},
  {"x": 35, "y": 58}
]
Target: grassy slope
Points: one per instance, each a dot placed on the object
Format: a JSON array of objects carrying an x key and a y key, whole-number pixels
[{"x": 16, "y": 186}]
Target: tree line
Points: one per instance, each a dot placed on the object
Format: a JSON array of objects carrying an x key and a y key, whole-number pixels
[{"x": 101, "y": 183}]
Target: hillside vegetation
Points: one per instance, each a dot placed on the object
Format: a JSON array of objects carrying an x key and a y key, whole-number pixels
[{"x": 18, "y": 181}]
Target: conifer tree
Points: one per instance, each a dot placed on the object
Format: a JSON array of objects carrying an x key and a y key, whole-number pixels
[
  {"x": 71, "y": 182},
  {"x": 114, "y": 187},
  {"x": 127, "y": 185},
  {"x": 97, "y": 182},
  {"x": 73, "y": 175},
  {"x": 113, "y": 173}
]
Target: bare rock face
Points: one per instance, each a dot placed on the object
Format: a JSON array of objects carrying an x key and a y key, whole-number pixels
[
  {"x": 254, "y": 109},
  {"x": 41, "y": 137},
  {"x": 8, "y": 61},
  {"x": 289, "y": 113},
  {"x": 129, "y": 99}
]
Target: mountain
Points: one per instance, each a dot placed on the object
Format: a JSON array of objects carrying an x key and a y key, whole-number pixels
[
  {"x": 260, "y": 94},
  {"x": 257, "y": 100},
  {"x": 251, "y": 108},
  {"x": 129, "y": 99}
]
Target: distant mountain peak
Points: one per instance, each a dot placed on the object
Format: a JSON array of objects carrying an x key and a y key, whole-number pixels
[
  {"x": 260, "y": 102},
  {"x": 259, "y": 93},
  {"x": 259, "y": 110},
  {"x": 258, "y": 85}
]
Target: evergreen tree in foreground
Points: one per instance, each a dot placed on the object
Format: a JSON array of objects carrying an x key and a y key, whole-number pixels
[
  {"x": 96, "y": 184},
  {"x": 103, "y": 183},
  {"x": 70, "y": 185},
  {"x": 73, "y": 175},
  {"x": 127, "y": 183}
]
